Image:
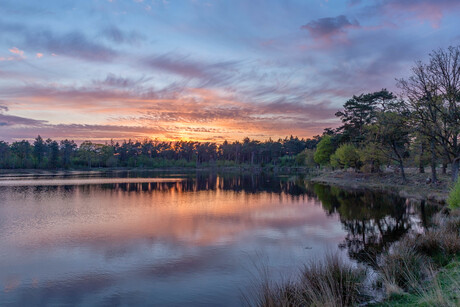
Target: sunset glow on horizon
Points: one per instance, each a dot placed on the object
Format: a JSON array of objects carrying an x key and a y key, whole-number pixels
[{"x": 203, "y": 70}]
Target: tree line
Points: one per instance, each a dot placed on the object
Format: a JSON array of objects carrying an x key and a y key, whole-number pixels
[
  {"x": 50, "y": 154},
  {"x": 421, "y": 127}
]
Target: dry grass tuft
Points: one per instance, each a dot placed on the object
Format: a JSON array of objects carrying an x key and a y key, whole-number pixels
[
  {"x": 403, "y": 269},
  {"x": 330, "y": 282}
]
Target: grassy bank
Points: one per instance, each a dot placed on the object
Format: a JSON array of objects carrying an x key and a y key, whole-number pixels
[
  {"x": 422, "y": 269},
  {"x": 442, "y": 290},
  {"x": 389, "y": 182}
]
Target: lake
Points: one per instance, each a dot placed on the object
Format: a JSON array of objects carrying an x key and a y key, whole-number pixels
[{"x": 198, "y": 239}]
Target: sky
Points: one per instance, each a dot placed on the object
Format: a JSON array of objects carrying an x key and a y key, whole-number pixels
[{"x": 205, "y": 70}]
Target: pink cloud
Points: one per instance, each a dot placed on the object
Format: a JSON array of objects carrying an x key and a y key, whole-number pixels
[
  {"x": 39, "y": 55},
  {"x": 18, "y": 55},
  {"x": 15, "y": 50},
  {"x": 424, "y": 10}
]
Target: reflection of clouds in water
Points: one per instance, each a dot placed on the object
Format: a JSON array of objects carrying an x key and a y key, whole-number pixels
[
  {"x": 201, "y": 218},
  {"x": 189, "y": 235}
]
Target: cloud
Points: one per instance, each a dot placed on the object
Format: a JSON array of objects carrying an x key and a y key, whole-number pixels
[
  {"x": 15, "y": 127},
  {"x": 18, "y": 55},
  {"x": 11, "y": 120},
  {"x": 116, "y": 35},
  {"x": 39, "y": 55},
  {"x": 207, "y": 73},
  {"x": 73, "y": 44},
  {"x": 175, "y": 112},
  {"x": 120, "y": 82},
  {"x": 432, "y": 11},
  {"x": 7, "y": 58},
  {"x": 3, "y": 108},
  {"x": 330, "y": 27},
  {"x": 16, "y": 51}
]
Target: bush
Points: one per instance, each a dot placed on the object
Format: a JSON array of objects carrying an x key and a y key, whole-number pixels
[
  {"x": 346, "y": 156},
  {"x": 454, "y": 196},
  {"x": 371, "y": 158},
  {"x": 306, "y": 158}
]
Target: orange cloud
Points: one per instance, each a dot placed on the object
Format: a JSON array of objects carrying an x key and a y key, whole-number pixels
[
  {"x": 169, "y": 114},
  {"x": 6, "y": 58},
  {"x": 15, "y": 50}
]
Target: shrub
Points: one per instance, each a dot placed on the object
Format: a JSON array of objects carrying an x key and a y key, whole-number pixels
[
  {"x": 403, "y": 268},
  {"x": 345, "y": 156},
  {"x": 454, "y": 196}
]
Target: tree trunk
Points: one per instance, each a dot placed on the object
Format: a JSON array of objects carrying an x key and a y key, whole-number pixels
[
  {"x": 455, "y": 165},
  {"x": 444, "y": 168},
  {"x": 434, "y": 178},
  {"x": 421, "y": 167},
  {"x": 401, "y": 167}
]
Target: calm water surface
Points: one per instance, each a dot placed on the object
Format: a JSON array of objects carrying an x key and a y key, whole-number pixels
[{"x": 137, "y": 239}]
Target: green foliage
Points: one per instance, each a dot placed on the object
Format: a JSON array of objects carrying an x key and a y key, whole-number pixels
[
  {"x": 306, "y": 158},
  {"x": 454, "y": 196},
  {"x": 66, "y": 154},
  {"x": 360, "y": 111},
  {"x": 371, "y": 158},
  {"x": 346, "y": 156},
  {"x": 324, "y": 150},
  {"x": 287, "y": 161},
  {"x": 391, "y": 133}
]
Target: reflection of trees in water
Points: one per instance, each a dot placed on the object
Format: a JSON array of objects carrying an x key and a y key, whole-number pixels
[
  {"x": 248, "y": 183},
  {"x": 372, "y": 220}
]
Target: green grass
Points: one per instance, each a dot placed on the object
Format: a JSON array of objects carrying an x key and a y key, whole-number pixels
[
  {"x": 454, "y": 196},
  {"x": 442, "y": 290}
]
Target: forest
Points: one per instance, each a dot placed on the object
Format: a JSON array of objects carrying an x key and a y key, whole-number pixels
[
  {"x": 419, "y": 127},
  {"x": 49, "y": 154}
]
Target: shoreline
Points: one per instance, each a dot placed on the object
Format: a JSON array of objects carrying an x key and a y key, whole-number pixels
[
  {"x": 102, "y": 170},
  {"x": 415, "y": 187}
]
